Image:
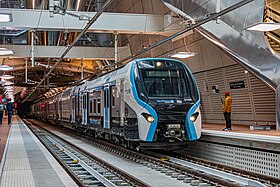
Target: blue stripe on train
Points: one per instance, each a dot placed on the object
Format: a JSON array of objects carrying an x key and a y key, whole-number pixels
[
  {"x": 189, "y": 124},
  {"x": 153, "y": 125}
]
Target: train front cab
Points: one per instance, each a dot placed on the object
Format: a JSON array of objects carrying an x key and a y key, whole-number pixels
[{"x": 168, "y": 93}]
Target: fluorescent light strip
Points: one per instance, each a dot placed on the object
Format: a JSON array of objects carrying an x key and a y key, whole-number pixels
[
  {"x": 6, "y": 76},
  {"x": 5, "y": 68},
  {"x": 6, "y": 52},
  {"x": 183, "y": 55},
  {"x": 264, "y": 27},
  {"x": 7, "y": 83},
  {"x": 5, "y": 17}
]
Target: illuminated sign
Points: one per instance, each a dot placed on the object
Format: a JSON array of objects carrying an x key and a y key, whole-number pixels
[{"x": 237, "y": 85}]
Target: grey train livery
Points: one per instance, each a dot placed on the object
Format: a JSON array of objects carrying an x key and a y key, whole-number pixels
[{"x": 149, "y": 100}]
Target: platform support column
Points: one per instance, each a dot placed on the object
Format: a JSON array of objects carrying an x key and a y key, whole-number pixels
[
  {"x": 278, "y": 108},
  {"x": 82, "y": 68}
]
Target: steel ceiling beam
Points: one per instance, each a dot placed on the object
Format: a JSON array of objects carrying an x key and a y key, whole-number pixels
[
  {"x": 96, "y": 53},
  {"x": 123, "y": 23}
]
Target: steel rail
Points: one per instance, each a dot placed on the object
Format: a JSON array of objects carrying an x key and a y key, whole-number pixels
[
  {"x": 122, "y": 174},
  {"x": 63, "y": 165},
  {"x": 115, "y": 149},
  {"x": 188, "y": 171},
  {"x": 135, "y": 155}
]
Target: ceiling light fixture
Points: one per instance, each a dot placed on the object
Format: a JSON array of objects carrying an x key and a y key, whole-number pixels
[
  {"x": 8, "y": 87},
  {"x": 183, "y": 54},
  {"x": 6, "y": 17},
  {"x": 5, "y": 68},
  {"x": 4, "y": 52},
  {"x": 6, "y": 76},
  {"x": 8, "y": 83},
  {"x": 264, "y": 27}
]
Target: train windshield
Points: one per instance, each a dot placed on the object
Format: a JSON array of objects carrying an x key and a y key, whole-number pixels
[{"x": 164, "y": 81}]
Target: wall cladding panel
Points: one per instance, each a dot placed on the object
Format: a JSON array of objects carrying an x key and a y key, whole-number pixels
[
  {"x": 209, "y": 51},
  {"x": 226, "y": 60},
  {"x": 248, "y": 105},
  {"x": 264, "y": 101},
  {"x": 202, "y": 86},
  {"x": 195, "y": 63},
  {"x": 138, "y": 6},
  {"x": 147, "y": 6},
  {"x": 129, "y": 6}
]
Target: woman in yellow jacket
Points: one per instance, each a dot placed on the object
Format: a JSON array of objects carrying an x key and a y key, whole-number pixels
[{"x": 227, "y": 111}]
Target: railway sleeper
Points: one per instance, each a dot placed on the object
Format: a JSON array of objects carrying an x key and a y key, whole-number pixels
[
  {"x": 87, "y": 177},
  {"x": 181, "y": 177},
  {"x": 79, "y": 168},
  {"x": 92, "y": 182},
  {"x": 195, "y": 182},
  {"x": 81, "y": 172}
]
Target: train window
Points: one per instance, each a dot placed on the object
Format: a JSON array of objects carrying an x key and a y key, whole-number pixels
[
  {"x": 73, "y": 102},
  {"x": 94, "y": 106},
  {"x": 113, "y": 100},
  {"x": 84, "y": 102},
  {"x": 98, "y": 105},
  {"x": 81, "y": 104},
  {"x": 165, "y": 83},
  {"x": 114, "y": 93},
  {"x": 105, "y": 98},
  {"x": 90, "y": 106}
]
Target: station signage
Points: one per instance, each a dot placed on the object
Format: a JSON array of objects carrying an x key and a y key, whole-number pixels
[{"x": 237, "y": 85}]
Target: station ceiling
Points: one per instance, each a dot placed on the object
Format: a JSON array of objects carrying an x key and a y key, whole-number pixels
[{"x": 39, "y": 33}]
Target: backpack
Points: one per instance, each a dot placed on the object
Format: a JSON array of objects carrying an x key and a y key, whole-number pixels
[
  {"x": 1, "y": 107},
  {"x": 9, "y": 106}
]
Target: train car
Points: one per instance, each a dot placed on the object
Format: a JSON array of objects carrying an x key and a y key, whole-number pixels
[{"x": 149, "y": 100}]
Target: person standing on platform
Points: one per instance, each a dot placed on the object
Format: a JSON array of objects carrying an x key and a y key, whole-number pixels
[
  {"x": 10, "y": 111},
  {"x": 227, "y": 111},
  {"x": 1, "y": 111}
]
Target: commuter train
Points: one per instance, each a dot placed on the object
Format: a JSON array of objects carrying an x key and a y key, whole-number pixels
[{"x": 149, "y": 101}]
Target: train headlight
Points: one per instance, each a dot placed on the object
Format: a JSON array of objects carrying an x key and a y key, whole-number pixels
[
  {"x": 194, "y": 117},
  {"x": 148, "y": 117}
]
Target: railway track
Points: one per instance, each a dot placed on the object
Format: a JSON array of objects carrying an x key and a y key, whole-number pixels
[
  {"x": 269, "y": 181},
  {"x": 183, "y": 170},
  {"x": 83, "y": 167}
]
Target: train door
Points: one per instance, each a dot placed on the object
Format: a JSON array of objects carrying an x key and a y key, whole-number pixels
[
  {"x": 84, "y": 109},
  {"x": 60, "y": 108},
  {"x": 122, "y": 88},
  {"x": 56, "y": 109},
  {"x": 106, "y": 113},
  {"x": 73, "y": 106}
]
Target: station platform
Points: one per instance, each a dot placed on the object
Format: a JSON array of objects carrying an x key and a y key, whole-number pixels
[
  {"x": 25, "y": 161},
  {"x": 242, "y": 136},
  {"x": 239, "y": 129},
  {"x": 250, "y": 150}
]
